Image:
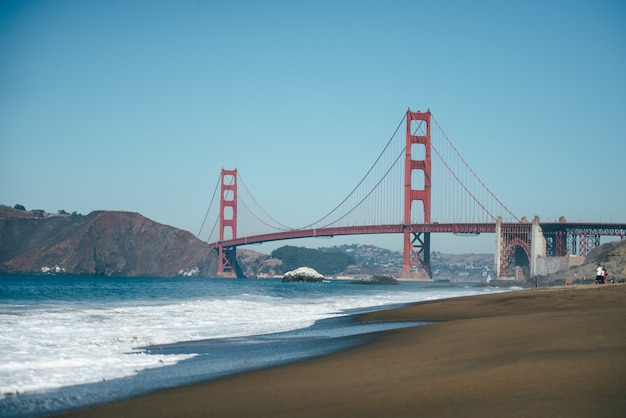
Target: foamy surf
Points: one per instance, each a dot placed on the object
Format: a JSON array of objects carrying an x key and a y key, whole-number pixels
[{"x": 51, "y": 341}]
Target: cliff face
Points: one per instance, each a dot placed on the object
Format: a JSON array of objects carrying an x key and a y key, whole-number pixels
[
  {"x": 101, "y": 243},
  {"x": 612, "y": 256}
]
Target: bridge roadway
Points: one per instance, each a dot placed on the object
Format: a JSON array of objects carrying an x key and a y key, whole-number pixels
[{"x": 453, "y": 228}]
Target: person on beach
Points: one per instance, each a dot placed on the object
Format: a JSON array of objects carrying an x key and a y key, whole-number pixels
[
  {"x": 605, "y": 274},
  {"x": 599, "y": 275}
]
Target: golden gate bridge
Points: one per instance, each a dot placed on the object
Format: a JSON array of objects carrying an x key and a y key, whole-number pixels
[{"x": 419, "y": 185}]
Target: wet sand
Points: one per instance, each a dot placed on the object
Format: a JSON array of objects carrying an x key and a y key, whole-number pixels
[{"x": 555, "y": 352}]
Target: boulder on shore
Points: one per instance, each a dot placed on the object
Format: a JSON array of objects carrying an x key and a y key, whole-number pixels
[
  {"x": 378, "y": 280},
  {"x": 303, "y": 274}
]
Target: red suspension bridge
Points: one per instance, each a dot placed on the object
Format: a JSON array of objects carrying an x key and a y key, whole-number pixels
[{"x": 419, "y": 185}]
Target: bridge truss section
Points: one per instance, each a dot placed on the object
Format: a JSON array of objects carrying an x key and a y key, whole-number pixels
[{"x": 563, "y": 239}]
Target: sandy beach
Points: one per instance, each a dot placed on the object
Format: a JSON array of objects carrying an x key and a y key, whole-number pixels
[{"x": 553, "y": 352}]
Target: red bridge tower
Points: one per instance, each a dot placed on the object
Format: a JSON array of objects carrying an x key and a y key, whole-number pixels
[
  {"x": 417, "y": 245},
  {"x": 227, "y": 256}
]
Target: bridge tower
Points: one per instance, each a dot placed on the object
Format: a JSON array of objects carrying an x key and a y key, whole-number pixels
[
  {"x": 417, "y": 245},
  {"x": 227, "y": 256}
]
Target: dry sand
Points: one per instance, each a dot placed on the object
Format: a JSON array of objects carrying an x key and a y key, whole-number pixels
[{"x": 556, "y": 352}]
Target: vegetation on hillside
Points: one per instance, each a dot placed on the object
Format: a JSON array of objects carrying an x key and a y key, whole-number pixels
[{"x": 327, "y": 263}]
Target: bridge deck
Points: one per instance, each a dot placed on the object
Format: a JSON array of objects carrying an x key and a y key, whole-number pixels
[{"x": 452, "y": 228}]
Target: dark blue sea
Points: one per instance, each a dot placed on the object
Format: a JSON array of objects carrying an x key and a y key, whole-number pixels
[{"x": 67, "y": 342}]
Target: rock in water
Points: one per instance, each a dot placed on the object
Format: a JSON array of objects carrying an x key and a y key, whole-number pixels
[{"x": 303, "y": 274}]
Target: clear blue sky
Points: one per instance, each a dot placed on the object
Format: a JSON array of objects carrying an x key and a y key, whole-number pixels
[{"x": 137, "y": 105}]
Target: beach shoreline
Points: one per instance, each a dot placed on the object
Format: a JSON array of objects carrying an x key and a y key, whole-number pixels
[{"x": 539, "y": 352}]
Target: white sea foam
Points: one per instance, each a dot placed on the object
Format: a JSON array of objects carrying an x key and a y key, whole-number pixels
[{"x": 56, "y": 345}]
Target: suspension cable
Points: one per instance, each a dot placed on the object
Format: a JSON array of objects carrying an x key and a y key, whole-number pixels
[
  {"x": 360, "y": 182},
  {"x": 375, "y": 187},
  {"x": 261, "y": 207},
  {"x": 261, "y": 220},
  {"x": 461, "y": 182},
  {"x": 367, "y": 195},
  {"x": 217, "y": 219},
  {"x": 473, "y": 173},
  {"x": 210, "y": 205}
]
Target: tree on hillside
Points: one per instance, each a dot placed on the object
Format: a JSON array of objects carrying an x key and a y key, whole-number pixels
[
  {"x": 326, "y": 263},
  {"x": 19, "y": 207}
]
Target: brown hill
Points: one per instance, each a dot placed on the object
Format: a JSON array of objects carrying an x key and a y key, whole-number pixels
[{"x": 100, "y": 243}]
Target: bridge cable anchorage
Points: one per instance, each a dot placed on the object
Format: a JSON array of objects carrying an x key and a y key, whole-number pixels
[
  {"x": 360, "y": 182},
  {"x": 473, "y": 173},
  {"x": 286, "y": 228},
  {"x": 209, "y": 209}
]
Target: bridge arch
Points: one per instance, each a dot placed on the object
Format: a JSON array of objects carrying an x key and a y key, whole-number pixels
[{"x": 517, "y": 255}]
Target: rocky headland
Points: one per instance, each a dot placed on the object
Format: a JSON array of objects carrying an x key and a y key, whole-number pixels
[{"x": 106, "y": 243}]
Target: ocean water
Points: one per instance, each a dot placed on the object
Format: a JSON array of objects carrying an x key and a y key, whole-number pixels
[{"x": 68, "y": 342}]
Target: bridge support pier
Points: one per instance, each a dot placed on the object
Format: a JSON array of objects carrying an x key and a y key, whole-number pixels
[
  {"x": 519, "y": 247},
  {"x": 513, "y": 250},
  {"x": 497, "y": 253},
  {"x": 537, "y": 246},
  {"x": 416, "y": 264},
  {"x": 227, "y": 264}
]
